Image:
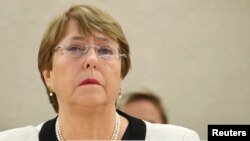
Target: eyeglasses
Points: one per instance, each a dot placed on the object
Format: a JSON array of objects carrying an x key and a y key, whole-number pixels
[{"x": 105, "y": 53}]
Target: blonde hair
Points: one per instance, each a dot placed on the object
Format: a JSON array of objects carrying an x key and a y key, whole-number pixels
[{"x": 90, "y": 19}]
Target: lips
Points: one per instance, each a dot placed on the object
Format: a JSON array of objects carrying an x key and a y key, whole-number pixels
[{"x": 89, "y": 82}]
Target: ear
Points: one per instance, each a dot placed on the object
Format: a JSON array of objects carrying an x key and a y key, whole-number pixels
[{"x": 48, "y": 78}]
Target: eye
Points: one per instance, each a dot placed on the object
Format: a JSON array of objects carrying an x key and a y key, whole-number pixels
[
  {"x": 76, "y": 48},
  {"x": 105, "y": 51}
]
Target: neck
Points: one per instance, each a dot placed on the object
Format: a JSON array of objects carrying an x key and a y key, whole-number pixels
[{"x": 87, "y": 124}]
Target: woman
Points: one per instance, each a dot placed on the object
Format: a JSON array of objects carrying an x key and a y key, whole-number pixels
[
  {"x": 82, "y": 60},
  {"x": 144, "y": 105}
]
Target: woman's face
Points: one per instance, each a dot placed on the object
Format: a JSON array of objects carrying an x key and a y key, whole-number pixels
[{"x": 87, "y": 80}]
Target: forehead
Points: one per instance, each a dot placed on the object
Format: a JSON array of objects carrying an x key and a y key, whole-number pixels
[{"x": 74, "y": 32}]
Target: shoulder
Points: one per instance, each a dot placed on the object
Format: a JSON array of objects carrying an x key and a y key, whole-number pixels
[
  {"x": 28, "y": 133},
  {"x": 170, "y": 132}
]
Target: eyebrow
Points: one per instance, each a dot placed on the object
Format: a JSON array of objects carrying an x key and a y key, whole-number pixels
[
  {"x": 97, "y": 38},
  {"x": 78, "y": 38},
  {"x": 102, "y": 39}
]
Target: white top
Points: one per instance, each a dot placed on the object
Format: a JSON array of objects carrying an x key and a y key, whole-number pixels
[
  {"x": 154, "y": 132},
  {"x": 168, "y": 132}
]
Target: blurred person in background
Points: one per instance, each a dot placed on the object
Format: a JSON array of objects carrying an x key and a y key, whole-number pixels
[{"x": 146, "y": 106}]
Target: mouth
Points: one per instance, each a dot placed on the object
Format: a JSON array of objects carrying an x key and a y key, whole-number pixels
[{"x": 89, "y": 82}]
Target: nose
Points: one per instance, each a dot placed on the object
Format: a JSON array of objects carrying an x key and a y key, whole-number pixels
[{"x": 91, "y": 60}]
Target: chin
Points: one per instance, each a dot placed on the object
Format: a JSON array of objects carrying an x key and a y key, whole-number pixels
[{"x": 91, "y": 100}]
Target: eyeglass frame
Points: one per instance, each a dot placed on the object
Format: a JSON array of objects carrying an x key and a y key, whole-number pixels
[{"x": 119, "y": 55}]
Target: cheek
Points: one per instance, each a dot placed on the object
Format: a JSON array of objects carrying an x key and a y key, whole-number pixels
[
  {"x": 113, "y": 78},
  {"x": 117, "y": 73},
  {"x": 63, "y": 76}
]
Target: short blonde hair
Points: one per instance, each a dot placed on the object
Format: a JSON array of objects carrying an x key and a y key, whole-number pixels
[{"x": 90, "y": 19}]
